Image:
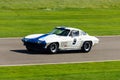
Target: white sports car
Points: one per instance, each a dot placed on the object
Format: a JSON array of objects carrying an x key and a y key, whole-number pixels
[{"x": 61, "y": 38}]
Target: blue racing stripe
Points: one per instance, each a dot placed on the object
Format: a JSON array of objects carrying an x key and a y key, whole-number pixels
[
  {"x": 35, "y": 40},
  {"x": 43, "y": 36}
]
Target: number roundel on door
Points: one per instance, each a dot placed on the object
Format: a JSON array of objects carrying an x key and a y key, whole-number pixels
[{"x": 74, "y": 41}]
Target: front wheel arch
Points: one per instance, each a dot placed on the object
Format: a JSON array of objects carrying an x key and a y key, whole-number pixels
[{"x": 56, "y": 47}]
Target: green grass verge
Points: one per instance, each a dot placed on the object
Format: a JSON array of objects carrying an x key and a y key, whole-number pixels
[
  {"x": 43, "y": 4},
  {"x": 18, "y": 23},
  {"x": 78, "y": 71},
  {"x": 22, "y": 17}
]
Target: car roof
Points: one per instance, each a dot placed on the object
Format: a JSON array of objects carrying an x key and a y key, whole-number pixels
[{"x": 70, "y": 28}]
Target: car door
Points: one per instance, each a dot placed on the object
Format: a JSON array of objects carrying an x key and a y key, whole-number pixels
[{"x": 74, "y": 40}]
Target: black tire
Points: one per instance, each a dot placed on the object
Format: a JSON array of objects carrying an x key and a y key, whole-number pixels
[
  {"x": 86, "y": 46},
  {"x": 53, "y": 48}
]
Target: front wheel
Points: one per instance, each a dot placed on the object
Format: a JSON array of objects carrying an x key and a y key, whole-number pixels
[
  {"x": 86, "y": 46},
  {"x": 53, "y": 48}
]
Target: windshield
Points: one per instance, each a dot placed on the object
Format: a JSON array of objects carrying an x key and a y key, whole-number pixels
[{"x": 60, "y": 31}]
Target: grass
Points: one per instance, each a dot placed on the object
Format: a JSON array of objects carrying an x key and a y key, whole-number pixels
[
  {"x": 18, "y": 23},
  {"x": 19, "y": 18},
  {"x": 78, "y": 71},
  {"x": 45, "y": 4}
]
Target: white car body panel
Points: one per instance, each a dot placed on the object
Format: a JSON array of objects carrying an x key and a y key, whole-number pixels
[{"x": 33, "y": 36}]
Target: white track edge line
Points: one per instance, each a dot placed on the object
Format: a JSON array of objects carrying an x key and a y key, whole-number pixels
[{"x": 58, "y": 63}]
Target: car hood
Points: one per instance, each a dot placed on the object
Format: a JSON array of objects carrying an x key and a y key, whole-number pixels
[
  {"x": 43, "y": 37},
  {"x": 33, "y": 36}
]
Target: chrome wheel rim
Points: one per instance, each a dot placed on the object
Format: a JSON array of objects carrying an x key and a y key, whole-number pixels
[
  {"x": 53, "y": 47},
  {"x": 87, "y": 46}
]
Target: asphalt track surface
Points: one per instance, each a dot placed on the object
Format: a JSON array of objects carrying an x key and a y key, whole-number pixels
[{"x": 12, "y": 52}]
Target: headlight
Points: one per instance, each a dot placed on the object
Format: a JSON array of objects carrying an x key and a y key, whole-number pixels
[
  {"x": 25, "y": 39},
  {"x": 41, "y": 42}
]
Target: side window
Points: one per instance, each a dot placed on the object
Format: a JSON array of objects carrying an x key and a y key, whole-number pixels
[
  {"x": 83, "y": 33},
  {"x": 74, "y": 33}
]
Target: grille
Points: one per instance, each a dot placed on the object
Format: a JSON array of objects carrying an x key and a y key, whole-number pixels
[{"x": 34, "y": 45}]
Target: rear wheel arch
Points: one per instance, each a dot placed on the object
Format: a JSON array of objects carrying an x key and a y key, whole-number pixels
[
  {"x": 88, "y": 41},
  {"x": 86, "y": 46}
]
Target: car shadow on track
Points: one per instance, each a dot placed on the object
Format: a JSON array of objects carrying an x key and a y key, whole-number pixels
[
  {"x": 20, "y": 51},
  {"x": 27, "y": 52},
  {"x": 46, "y": 53}
]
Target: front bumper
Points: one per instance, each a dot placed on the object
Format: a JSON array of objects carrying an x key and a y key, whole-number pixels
[{"x": 34, "y": 45}]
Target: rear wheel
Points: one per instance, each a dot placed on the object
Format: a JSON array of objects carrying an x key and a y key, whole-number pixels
[
  {"x": 87, "y": 46},
  {"x": 53, "y": 48}
]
